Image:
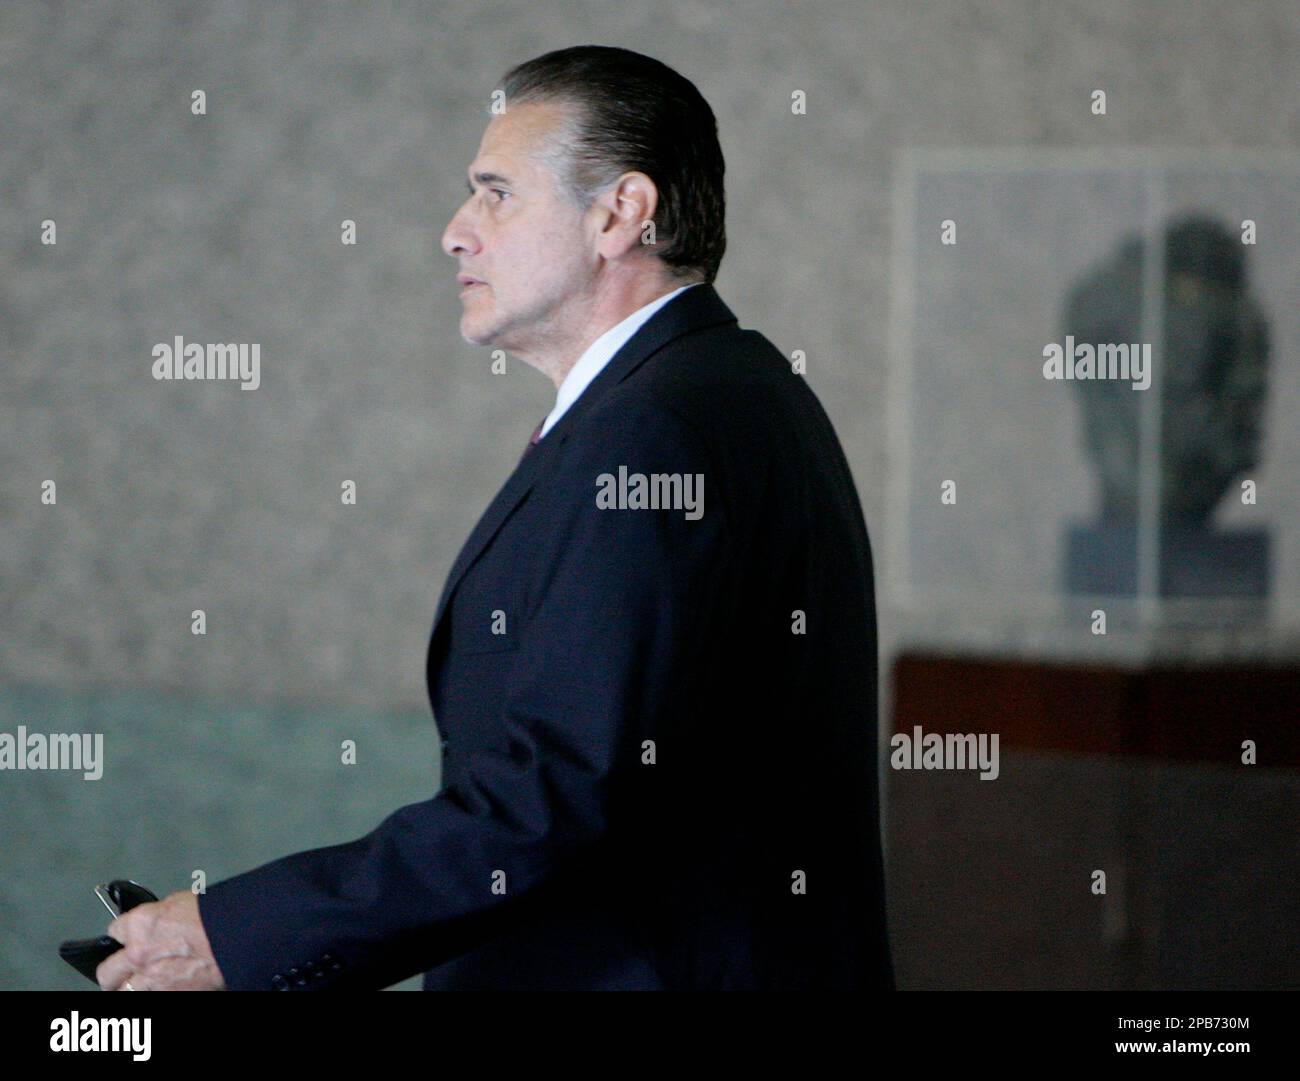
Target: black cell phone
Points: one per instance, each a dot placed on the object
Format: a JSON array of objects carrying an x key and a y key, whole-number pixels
[{"x": 85, "y": 954}]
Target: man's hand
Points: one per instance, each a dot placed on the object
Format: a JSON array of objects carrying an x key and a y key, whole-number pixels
[{"x": 164, "y": 949}]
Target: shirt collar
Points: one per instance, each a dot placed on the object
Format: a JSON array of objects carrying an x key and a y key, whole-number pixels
[{"x": 599, "y": 353}]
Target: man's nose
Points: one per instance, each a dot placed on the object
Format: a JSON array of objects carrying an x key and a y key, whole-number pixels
[{"x": 458, "y": 237}]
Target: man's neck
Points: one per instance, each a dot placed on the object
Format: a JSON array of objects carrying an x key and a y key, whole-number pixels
[{"x": 605, "y": 311}]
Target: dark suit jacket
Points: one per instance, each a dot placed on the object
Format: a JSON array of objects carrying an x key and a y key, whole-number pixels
[{"x": 660, "y": 776}]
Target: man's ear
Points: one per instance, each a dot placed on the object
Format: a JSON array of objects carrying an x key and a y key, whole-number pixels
[{"x": 627, "y": 210}]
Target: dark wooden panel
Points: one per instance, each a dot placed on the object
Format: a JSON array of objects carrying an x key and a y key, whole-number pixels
[{"x": 1191, "y": 714}]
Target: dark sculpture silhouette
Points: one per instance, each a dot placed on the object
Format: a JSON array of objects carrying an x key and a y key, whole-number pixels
[{"x": 1211, "y": 372}]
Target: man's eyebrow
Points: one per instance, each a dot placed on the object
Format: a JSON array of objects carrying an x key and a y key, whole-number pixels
[{"x": 487, "y": 178}]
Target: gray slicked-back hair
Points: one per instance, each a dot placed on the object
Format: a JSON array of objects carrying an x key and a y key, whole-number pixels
[{"x": 634, "y": 113}]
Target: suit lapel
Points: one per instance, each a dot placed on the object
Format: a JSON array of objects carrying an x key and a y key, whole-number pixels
[
  {"x": 695, "y": 309},
  {"x": 510, "y": 496}
]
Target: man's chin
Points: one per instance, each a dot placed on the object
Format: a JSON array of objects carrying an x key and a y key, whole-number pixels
[{"x": 475, "y": 334}]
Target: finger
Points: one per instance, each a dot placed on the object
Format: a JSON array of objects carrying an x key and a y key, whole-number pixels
[
  {"x": 118, "y": 928},
  {"x": 180, "y": 974},
  {"x": 113, "y": 971}
]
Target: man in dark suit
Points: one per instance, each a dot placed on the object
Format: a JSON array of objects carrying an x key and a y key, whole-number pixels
[{"x": 653, "y": 663}]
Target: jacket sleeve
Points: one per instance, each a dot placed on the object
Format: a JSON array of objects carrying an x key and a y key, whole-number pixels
[{"x": 617, "y": 616}]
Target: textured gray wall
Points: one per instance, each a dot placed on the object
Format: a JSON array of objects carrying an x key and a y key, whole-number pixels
[{"x": 176, "y": 496}]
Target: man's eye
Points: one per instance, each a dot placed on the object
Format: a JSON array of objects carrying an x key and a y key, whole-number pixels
[{"x": 498, "y": 191}]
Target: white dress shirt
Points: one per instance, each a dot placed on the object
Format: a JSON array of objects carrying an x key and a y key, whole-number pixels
[{"x": 600, "y": 353}]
